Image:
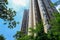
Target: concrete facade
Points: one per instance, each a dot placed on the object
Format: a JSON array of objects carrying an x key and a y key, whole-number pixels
[
  {"x": 24, "y": 26},
  {"x": 40, "y": 9}
]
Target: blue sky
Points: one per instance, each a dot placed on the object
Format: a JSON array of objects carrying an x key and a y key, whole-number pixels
[{"x": 18, "y": 6}]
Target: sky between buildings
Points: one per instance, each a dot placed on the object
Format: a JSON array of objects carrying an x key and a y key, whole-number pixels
[{"x": 18, "y": 6}]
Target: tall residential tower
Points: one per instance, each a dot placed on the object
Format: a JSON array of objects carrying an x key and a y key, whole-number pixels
[
  {"x": 40, "y": 10},
  {"x": 24, "y": 26}
]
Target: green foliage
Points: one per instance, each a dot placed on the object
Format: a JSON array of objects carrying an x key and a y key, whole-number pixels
[
  {"x": 59, "y": 8},
  {"x": 19, "y": 34},
  {"x": 2, "y": 37},
  {"x": 6, "y": 1},
  {"x": 39, "y": 30},
  {"x": 7, "y": 15},
  {"x": 55, "y": 23},
  {"x": 52, "y": 5},
  {"x": 53, "y": 34}
]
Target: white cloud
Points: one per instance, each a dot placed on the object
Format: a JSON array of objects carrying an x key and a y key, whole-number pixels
[
  {"x": 58, "y": 8},
  {"x": 16, "y": 4},
  {"x": 20, "y": 2}
]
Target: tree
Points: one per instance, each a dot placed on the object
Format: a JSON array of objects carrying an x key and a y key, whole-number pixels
[
  {"x": 52, "y": 5},
  {"x": 55, "y": 23},
  {"x": 59, "y": 9},
  {"x": 7, "y": 15},
  {"x": 40, "y": 35},
  {"x": 21, "y": 36},
  {"x": 2, "y": 37}
]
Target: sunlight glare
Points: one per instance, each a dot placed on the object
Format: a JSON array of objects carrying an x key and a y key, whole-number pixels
[{"x": 20, "y": 2}]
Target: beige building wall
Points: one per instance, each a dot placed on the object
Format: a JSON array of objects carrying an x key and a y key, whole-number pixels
[
  {"x": 43, "y": 15},
  {"x": 45, "y": 11}
]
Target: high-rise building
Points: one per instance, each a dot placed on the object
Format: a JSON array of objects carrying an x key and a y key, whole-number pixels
[
  {"x": 24, "y": 26},
  {"x": 40, "y": 10}
]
